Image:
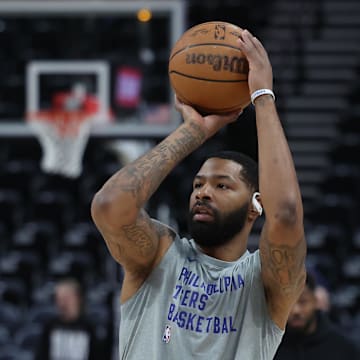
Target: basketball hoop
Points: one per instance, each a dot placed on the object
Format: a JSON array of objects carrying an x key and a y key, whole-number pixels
[{"x": 63, "y": 136}]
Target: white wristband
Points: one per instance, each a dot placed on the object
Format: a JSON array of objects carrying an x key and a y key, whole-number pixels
[{"x": 261, "y": 92}]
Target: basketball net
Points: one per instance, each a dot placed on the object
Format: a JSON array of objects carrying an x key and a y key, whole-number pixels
[{"x": 63, "y": 136}]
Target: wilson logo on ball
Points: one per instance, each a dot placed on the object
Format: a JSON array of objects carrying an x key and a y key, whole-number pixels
[
  {"x": 219, "y": 62},
  {"x": 208, "y": 70}
]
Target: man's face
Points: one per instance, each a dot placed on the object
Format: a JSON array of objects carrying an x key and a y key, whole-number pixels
[
  {"x": 219, "y": 203},
  {"x": 68, "y": 302},
  {"x": 302, "y": 317}
]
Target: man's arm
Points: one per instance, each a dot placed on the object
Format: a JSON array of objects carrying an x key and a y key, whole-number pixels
[
  {"x": 117, "y": 209},
  {"x": 282, "y": 243}
]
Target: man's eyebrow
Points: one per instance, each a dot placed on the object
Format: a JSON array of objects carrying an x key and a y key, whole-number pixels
[{"x": 215, "y": 176}]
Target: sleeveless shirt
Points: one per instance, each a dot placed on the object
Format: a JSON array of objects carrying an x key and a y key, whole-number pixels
[{"x": 193, "y": 306}]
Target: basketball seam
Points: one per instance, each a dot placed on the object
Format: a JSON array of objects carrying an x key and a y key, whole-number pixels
[
  {"x": 204, "y": 79},
  {"x": 204, "y": 44}
]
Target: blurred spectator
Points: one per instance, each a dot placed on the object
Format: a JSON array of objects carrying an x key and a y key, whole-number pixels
[
  {"x": 70, "y": 335},
  {"x": 323, "y": 298},
  {"x": 309, "y": 333}
]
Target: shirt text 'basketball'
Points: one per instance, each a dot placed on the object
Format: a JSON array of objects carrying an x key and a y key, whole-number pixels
[{"x": 190, "y": 298}]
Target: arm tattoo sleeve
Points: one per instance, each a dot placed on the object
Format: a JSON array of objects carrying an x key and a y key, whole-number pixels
[
  {"x": 143, "y": 177},
  {"x": 140, "y": 239},
  {"x": 285, "y": 263}
]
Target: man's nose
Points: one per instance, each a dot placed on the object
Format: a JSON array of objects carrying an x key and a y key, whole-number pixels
[
  {"x": 204, "y": 192},
  {"x": 296, "y": 309}
]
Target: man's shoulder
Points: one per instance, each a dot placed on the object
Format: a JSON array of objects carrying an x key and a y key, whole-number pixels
[
  {"x": 163, "y": 229},
  {"x": 334, "y": 337},
  {"x": 342, "y": 342}
]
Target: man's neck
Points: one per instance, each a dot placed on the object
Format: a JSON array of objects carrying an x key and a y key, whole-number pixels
[{"x": 231, "y": 251}]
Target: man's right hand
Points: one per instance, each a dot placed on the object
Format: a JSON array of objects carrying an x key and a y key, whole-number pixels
[
  {"x": 211, "y": 124},
  {"x": 260, "y": 70}
]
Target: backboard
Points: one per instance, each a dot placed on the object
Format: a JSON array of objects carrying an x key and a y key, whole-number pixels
[{"x": 92, "y": 42}]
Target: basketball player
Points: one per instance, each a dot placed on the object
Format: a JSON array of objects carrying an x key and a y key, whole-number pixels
[{"x": 209, "y": 297}]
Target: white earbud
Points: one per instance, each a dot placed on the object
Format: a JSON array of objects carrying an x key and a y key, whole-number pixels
[{"x": 256, "y": 204}]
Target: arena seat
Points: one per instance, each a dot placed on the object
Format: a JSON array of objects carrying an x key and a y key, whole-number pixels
[
  {"x": 40, "y": 313},
  {"x": 13, "y": 291},
  {"x": 43, "y": 293},
  {"x": 83, "y": 237},
  {"x": 24, "y": 266},
  {"x": 11, "y": 209},
  {"x": 5, "y": 338},
  {"x": 42, "y": 182},
  {"x": 68, "y": 264},
  {"x": 39, "y": 237},
  {"x": 101, "y": 317},
  {"x": 11, "y": 316},
  {"x": 13, "y": 352},
  {"x": 15, "y": 175},
  {"x": 51, "y": 206},
  {"x": 27, "y": 337},
  {"x": 351, "y": 269}
]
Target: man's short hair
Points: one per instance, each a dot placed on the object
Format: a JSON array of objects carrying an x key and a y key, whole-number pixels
[
  {"x": 310, "y": 281},
  {"x": 249, "y": 172}
]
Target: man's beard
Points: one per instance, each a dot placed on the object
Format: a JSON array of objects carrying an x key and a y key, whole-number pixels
[
  {"x": 219, "y": 231},
  {"x": 303, "y": 330}
]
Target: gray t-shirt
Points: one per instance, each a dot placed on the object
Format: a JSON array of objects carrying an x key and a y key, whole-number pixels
[{"x": 193, "y": 306}]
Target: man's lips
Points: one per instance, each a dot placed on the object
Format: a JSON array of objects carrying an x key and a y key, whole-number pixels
[
  {"x": 202, "y": 213},
  {"x": 296, "y": 322},
  {"x": 203, "y": 217}
]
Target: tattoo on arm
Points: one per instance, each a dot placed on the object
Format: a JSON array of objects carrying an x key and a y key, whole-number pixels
[
  {"x": 138, "y": 235},
  {"x": 143, "y": 177},
  {"x": 162, "y": 230},
  {"x": 140, "y": 239},
  {"x": 285, "y": 264}
]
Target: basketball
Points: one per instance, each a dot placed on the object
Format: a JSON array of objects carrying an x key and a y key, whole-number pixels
[{"x": 208, "y": 71}]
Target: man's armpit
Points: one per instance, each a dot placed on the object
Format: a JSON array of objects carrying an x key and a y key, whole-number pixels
[
  {"x": 283, "y": 265},
  {"x": 135, "y": 243}
]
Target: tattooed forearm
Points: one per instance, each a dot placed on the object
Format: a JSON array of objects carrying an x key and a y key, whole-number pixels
[
  {"x": 188, "y": 141},
  {"x": 143, "y": 177},
  {"x": 285, "y": 263}
]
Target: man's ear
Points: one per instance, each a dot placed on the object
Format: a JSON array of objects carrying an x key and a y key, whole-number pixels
[{"x": 256, "y": 204}]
